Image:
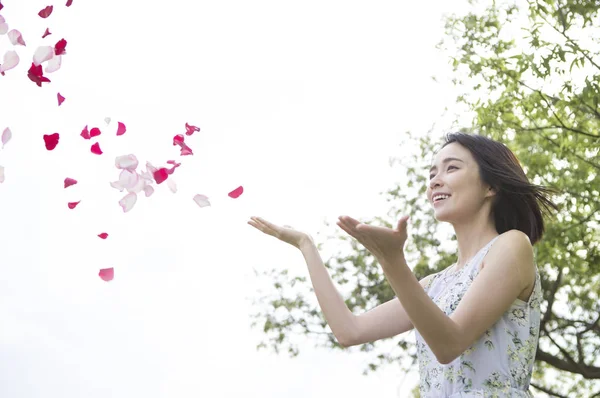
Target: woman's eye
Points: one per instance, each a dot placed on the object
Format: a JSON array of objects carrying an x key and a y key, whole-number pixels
[{"x": 449, "y": 167}]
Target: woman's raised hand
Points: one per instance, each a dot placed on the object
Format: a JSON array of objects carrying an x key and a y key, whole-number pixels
[{"x": 284, "y": 233}]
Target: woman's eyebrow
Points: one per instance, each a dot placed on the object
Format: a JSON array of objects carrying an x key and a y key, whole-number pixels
[{"x": 445, "y": 161}]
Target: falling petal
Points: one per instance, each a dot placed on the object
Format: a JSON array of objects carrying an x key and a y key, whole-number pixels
[
  {"x": 103, "y": 235},
  {"x": 189, "y": 129},
  {"x": 36, "y": 75},
  {"x": 46, "y": 33},
  {"x": 60, "y": 47},
  {"x": 160, "y": 175},
  {"x": 54, "y": 64},
  {"x": 16, "y": 38},
  {"x": 72, "y": 205},
  {"x": 128, "y": 201},
  {"x": 96, "y": 149},
  {"x": 128, "y": 162},
  {"x": 236, "y": 192},
  {"x": 69, "y": 2},
  {"x": 95, "y": 131},
  {"x": 148, "y": 190},
  {"x": 178, "y": 139},
  {"x": 121, "y": 129},
  {"x": 171, "y": 184},
  {"x": 3, "y": 26},
  {"x": 61, "y": 99},
  {"x": 186, "y": 150},
  {"x": 1, "y": 174},
  {"x": 6, "y": 136},
  {"x": 11, "y": 59},
  {"x": 107, "y": 274},
  {"x": 128, "y": 179},
  {"x": 85, "y": 133},
  {"x": 117, "y": 185},
  {"x": 51, "y": 140},
  {"x": 69, "y": 182},
  {"x": 45, "y": 13},
  {"x": 201, "y": 200},
  {"x": 42, "y": 54},
  {"x": 107, "y": 120},
  {"x": 1, "y": 6}
]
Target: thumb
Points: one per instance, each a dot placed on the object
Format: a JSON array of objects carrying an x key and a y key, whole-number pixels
[{"x": 403, "y": 222}]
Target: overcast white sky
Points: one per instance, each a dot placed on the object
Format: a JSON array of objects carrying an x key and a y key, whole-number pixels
[{"x": 302, "y": 103}]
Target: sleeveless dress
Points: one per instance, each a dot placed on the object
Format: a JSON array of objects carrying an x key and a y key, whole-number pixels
[{"x": 500, "y": 363}]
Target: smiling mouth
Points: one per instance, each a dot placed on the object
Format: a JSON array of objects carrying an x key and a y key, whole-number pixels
[{"x": 440, "y": 200}]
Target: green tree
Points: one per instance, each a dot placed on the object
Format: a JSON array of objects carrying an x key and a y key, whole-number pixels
[{"x": 528, "y": 73}]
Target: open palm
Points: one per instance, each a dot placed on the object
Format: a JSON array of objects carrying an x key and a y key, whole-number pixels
[{"x": 284, "y": 233}]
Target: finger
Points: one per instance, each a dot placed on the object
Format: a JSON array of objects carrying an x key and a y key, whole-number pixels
[
  {"x": 348, "y": 230},
  {"x": 349, "y": 221}
]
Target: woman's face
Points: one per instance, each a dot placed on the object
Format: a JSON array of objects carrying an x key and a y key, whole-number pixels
[{"x": 455, "y": 172}]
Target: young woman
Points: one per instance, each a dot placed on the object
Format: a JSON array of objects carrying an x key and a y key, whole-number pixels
[{"x": 477, "y": 322}]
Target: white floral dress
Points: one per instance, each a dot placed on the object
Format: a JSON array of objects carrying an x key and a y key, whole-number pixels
[{"x": 499, "y": 364}]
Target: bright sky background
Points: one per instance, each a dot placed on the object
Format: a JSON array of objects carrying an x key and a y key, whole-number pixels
[{"x": 302, "y": 103}]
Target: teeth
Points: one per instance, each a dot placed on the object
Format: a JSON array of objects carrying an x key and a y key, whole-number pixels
[{"x": 440, "y": 197}]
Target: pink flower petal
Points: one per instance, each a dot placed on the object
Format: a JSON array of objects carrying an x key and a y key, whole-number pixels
[
  {"x": 148, "y": 190},
  {"x": 127, "y": 162},
  {"x": 236, "y": 192},
  {"x": 69, "y": 182},
  {"x": 69, "y": 2},
  {"x": 189, "y": 129},
  {"x": 107, "y": 274},
  {"x": 128, "y": 179},
  {"x": 1, "y": 6},
  {"x": 201, "y": 200},
  {"x": 95, "y": 131},
  {"x": 85, "y": 133},
  {"x": 73, "y": 205},
  {"x": 45, "y": 13},
  {"x": 96, "y": 149},
  {"x": 46, "y": 33},
  {"x": 103, "y": 235},
  {"x": 186, "y": 150},
  {"x": 128, "y": 201},
  {"x": 160, "y": 175},
  {"x": 42, "y": 54},
  {"x": 61, "y": 99},
  {"x": 36, "y": 75},
  {"x": 16, "y": 38},
  {"x": 171, "y": 184},
  {"x": 51, "y": 140},
  {"x": 54, "y": 64},
  {"x": 11, "y": 59},
  {"x": 60, "y": 47},
  {"x": 3, "y": 25},
  {"x": 178, "y": 139},
  {"x": 1, "y": 174},
  {"x": 6, "y": 136},
  {"x": 121, "y": 129}
]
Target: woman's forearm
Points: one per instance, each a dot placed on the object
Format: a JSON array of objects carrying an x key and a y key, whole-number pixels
[{"x": 339, "y": 318}]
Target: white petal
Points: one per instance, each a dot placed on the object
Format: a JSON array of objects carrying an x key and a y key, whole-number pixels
[
  {"x": 107, "y": 120},
  {"x": 117, "y": 185},
  {"x": 148, "y": 190},
  {"x": 6, "y": 136},
  {"x": 11, "y": 59},
  {"x": 127, "y": 162},
  {"x": 3, "y": 25},
  {"x": 201, "y": 200},
  {"x": 54, "y": 64},
  {"x": 16, "y": 38},
  {"x": 128, "y": 201},
  {"x": 171, "y": 184},
  {"x": 42, "y": 54},
  {"x": 128, "y": 179},
  {"x": 1, "y": 174}
]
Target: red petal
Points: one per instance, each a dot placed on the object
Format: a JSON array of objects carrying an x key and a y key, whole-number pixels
[
  {"x": 103, "y": 235},
  {"x": 96, "y": 149},
  {"x": 236, "y": 192},
  {"x": 190, "y": 129},
  {"x": 178, "y": 139},
  {"x": 45, "y": 13},
  {"x": 95, "y": 131},
  {"x": 160, "y": 175},
  {"x": 46, "y": 33},
  {"x": 61, "y": 99},
  {"x": 186, "y": 150},
  {"x": 121, "y": 129},
  {"x": 85, "y": 133},
  {"x": 1, "y": 6},
  {"x": 72, "y": 205},
  {"x": 69, "y": 182},
  {"x": 69, "y": 2},
  {"x": 51, "y": 141},
  {"x": 107, "y": 274},
  {"x": 36, "y": 75},
  {"x": 60, "y": 46}
]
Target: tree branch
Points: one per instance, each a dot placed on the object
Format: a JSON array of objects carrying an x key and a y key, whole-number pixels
[{"x": 549, "y": 392}]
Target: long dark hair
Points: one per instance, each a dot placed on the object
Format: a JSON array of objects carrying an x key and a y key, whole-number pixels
[{"x": 518, "y": 204}]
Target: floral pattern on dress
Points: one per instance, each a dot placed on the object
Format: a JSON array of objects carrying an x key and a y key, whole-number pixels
[{"x": 500, "y": 363}]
